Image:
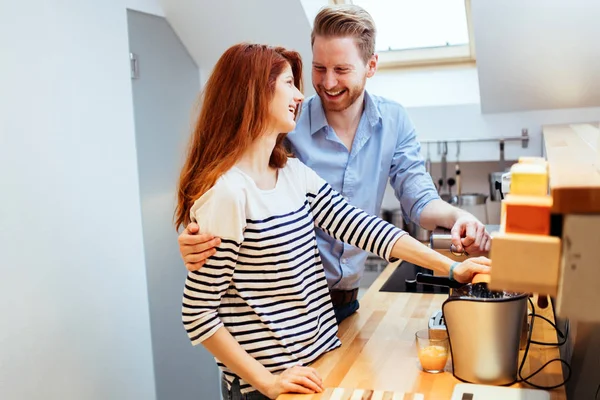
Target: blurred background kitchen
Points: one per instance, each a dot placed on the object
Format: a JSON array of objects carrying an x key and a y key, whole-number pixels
[{"x": 96, "y": 102}]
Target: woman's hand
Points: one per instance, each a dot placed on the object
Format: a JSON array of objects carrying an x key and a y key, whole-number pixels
[
  {"x": 296, "y": 379},
  {"x": 465, "y": 271}
]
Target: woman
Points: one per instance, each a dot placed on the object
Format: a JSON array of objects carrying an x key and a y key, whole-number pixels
[{"x": 260, "y": 304}]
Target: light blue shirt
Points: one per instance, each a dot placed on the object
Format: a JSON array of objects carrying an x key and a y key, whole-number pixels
[{"x": 385, "y": 145}]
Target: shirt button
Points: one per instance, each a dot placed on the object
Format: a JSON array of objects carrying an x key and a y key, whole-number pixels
[{"x": 344, "y": 261}]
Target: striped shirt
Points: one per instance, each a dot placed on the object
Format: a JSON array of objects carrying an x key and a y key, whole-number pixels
[{"x": 265, "y": 284}]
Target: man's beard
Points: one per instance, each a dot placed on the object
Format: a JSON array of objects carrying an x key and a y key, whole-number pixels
[{"x": 349, "y": 97}]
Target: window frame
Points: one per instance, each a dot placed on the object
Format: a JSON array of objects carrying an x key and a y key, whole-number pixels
[{"x": 428, "y": 56}]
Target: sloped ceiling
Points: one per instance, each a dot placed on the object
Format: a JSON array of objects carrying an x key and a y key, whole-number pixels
[
  {"x": 208, "y": 27},
  {"x": 537, "y": 54},
  {"x": 531, "y": 55}
]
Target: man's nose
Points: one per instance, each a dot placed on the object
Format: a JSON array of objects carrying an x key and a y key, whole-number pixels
[{"x": 329, "y": 80}]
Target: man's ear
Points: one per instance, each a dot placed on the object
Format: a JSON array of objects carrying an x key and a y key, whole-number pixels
[{"x": 372, "y": 65}]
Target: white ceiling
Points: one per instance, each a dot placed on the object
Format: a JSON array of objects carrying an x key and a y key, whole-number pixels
[
  {"x": 537, "y": 54},
  {"x": 531, "y": 55},
  {"x": 208, "y": 27}
]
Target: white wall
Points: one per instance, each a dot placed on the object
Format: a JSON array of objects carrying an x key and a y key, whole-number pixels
[
  {"x": 164, "y": 97},
  {"x": 73, "y": 303},
  {"x": 444, "y": 105},
  {"x": 425, "y": 87},
  {"x": 311, "y": 8},
  {"x": 454, "y": 120},
  {"x": 467, "y": 121}
]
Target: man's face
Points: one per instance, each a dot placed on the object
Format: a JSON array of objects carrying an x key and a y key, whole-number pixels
[{"x": 339, "y": 73}]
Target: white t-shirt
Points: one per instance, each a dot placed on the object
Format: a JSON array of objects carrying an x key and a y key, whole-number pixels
[{"x": 266, "y": 283}]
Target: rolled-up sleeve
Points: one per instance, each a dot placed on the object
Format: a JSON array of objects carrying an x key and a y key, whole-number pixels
[{"x": 411, "y": 182}]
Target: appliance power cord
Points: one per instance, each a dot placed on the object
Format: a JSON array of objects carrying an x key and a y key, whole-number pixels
[
  {"x": 563, "y": 336},
  {"x": 529, "y": 342}
]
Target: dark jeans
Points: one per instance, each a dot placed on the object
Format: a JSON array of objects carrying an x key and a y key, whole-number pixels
[
  {"x": 346, "y": 310},
  {"x": 236, "y": 394}
]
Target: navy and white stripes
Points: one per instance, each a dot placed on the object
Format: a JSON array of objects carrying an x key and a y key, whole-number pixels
[
  {"x": 266, "y": 283},
  {"x": 351, "y": 225}
]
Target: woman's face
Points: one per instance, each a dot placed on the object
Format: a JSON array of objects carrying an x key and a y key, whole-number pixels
[{"x": 285, "y": 102}]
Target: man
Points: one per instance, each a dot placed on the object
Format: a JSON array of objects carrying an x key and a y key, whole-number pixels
[{"x": 355, "y": 141}]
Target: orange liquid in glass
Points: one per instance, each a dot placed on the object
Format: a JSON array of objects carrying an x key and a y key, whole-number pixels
[{"x": 433, "y": 358}]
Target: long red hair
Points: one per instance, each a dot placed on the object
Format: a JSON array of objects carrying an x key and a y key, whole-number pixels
[{"x": 234, "y": 112}]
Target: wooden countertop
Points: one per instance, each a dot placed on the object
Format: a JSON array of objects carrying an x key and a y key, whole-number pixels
[
  {"x": 573, "y": 154},
  {"x": 378, "y": 350}
]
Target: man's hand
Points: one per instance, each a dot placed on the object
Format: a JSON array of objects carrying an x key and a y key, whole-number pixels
[
  {"x": 196, "y": 247},
  {"x": 469, "y": 235},
  {"x": 465, "y": 272}
]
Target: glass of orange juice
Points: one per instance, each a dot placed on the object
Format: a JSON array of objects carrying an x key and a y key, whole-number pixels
[{"x": 433, "y": 352}]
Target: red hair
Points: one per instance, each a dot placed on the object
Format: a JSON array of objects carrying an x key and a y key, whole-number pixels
[{"x": 234, "y": 113}]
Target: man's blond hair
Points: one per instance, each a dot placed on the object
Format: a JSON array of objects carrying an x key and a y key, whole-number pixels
[{"x": 347, "y": 20}]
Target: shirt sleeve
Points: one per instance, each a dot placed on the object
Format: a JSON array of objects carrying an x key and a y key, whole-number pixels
[
  {"x": 220, "y": 212},
  {"x": 342, "y": 221},
  {"x": 411, "y": 182}
]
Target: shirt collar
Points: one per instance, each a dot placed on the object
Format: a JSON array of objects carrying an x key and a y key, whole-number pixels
[
  {"x": 317, "y": 115},
  {"x": 371, "y": 110}
]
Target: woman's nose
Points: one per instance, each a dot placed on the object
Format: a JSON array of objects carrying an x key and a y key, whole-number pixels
[{"x": 298, "y": 97}]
